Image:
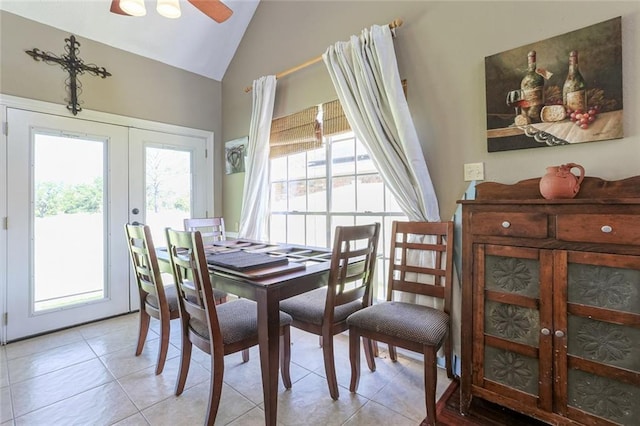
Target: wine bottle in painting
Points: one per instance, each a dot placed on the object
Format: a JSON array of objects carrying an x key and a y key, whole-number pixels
[
  {"x": 532, "y": 86},
  {"x": 574, "y": 92}
]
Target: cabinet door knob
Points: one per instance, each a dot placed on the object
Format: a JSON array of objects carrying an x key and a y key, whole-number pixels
[
  {"x": 606, "y": 229},
  {"x": 559, "y": 333},
  {"x": 506, "y": 224},
  {"x": 545, "y": 331}
]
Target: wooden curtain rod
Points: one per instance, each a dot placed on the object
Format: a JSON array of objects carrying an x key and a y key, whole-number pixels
[{"x": 394, "y": 24}]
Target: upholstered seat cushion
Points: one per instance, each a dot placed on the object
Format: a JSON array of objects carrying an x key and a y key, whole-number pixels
[
  {"x": 169, "y": 293},
  {"x": 407, "y": 321},
  {"x": 309, "y": 307},
  {"x": 238, "y": 321}
]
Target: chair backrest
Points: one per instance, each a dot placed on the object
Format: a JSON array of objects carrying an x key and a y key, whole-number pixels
[
  {"x": 145, "y": 266},
  {"x": 353, "y": 261},
  {"x": 211, "y": 228},
  {"x": 193, "y": 284},
  {"x": 421, "y": 260}
]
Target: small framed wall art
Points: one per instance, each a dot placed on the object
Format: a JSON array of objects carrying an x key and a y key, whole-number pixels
[
  {"x": 234, "y": 152},
  {"x": 560, "y": 91}
]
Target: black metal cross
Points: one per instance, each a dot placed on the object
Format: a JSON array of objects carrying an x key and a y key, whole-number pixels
[{"x": 74, "y": 66}]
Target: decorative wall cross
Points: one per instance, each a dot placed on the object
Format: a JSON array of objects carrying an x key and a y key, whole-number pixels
[{"x": 74, "y": 66}]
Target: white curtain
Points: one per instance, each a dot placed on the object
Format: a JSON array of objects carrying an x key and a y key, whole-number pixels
[
  {"x": 254, "y": 218},
  {"x": 365, "y": 74}
]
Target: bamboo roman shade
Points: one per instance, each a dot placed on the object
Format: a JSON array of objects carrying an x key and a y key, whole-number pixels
[
  {"x": 302, "y": 131},
  {"x": 295, "y": 133},
  {"x": 333, "y": 119}
]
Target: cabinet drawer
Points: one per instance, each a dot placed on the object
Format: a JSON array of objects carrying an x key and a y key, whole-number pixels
[
  {"x": 509, "y": 224},
  {"x": 599, "y": 228}
]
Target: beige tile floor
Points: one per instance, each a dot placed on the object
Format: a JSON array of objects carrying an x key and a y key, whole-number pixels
[{"x": 89, "y": 375}]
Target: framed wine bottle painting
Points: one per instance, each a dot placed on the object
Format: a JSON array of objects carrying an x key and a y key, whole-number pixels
[{"x": 559, "y": 91}]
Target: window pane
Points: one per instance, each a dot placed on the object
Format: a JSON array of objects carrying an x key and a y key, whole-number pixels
[
  {"x": 391, "y": 205},
  {"x": 343, "y": 154},
  {"x": 317, "y": 163},
  {"x": 295, "y": 229},
  {"x": 365, "y": 164},
  {"x": 68, "y": 213},
  {"x": 168, "y": 189},
  {"x": 370, "y": 193},
  {"x": 298, "y": 196},
  {"x": 317, "y": 195},
  {"x": 279, "y": 197},
  {"x": 278, "y": 169},
  {"x": 340, "y": 221},
  {"x": 343, "y": 194},
  {"x": 317, "y": 230},
  {"x": 278, "y": 228},
  {"x": 297, "y": 166}
]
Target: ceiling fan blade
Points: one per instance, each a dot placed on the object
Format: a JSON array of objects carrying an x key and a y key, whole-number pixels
[
  {"x": 115, "y": 8},
  {"x": 214, "y": 9}
]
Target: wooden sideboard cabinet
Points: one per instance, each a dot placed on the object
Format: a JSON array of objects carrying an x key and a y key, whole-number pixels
[{"x": 551, "y": 302}]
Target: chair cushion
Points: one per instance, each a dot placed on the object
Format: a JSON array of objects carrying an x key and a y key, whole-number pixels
[
  {"x": 407, "y": 321},
  {"x": 309, "y": 307},
  {"x": 169, "y": 293},
  {"x": 238, "y": 321}
]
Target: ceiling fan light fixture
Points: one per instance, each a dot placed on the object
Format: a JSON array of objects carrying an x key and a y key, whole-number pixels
[
  {"x": 169, "y": 8},
  {"x": 133, "y": 7}
]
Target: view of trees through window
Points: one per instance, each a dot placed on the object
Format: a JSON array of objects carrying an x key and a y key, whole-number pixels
[{"x": 314, "y": 191}]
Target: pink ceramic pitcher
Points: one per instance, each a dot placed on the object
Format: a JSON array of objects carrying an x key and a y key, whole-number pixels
[{"x": 559, "y": 182}]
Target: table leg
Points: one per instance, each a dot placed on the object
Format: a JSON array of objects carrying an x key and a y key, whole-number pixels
[{"x": 269, "y": 338}]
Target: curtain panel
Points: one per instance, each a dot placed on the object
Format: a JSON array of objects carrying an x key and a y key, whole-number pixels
[
  {"x": 365, "y": 75},
  {"x": 255, "y": 196}
]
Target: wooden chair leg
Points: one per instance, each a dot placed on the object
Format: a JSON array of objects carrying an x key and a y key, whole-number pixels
[
  {"x": 143, "y": 329},
  {"x": 392, "y": 353},
  {"x": 285, "y": 356},
  {"x": 165, "y": 330},
  {"x": 330, "y": 366},
  {"x": 448, "y": 358},
  {"x": 215, "y": 388},
  {"x": 185, "y": 361},
  {"x": 430, "y": 382},
  {"x": 354, "y": 359},
  {"x": 370, "y": 352}
]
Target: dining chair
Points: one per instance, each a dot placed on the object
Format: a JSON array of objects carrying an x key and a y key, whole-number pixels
[
  {"x": 421, "y": 264},
  {"x": 211, "y": 228},
  {"x": 156, "y": 300},
  {"x": 324, "y": 311},
  {"x": 218, "y": 330}
]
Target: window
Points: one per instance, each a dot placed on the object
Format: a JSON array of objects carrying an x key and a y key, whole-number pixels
[{"x": 336, "y": 184}]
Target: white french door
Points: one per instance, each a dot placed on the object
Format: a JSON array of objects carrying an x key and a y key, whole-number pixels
[
  {"x": 71, "y": 186},
  {"x": 63, "y": 267},
  {"x": 170, "y": 180}
]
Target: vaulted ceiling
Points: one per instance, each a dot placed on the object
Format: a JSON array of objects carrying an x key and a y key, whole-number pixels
[{"x": 193, "y": 42}]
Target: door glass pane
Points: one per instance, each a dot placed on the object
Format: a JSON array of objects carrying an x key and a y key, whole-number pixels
[
  {"x": 69, "y": 221},
  {"x": 168, "y": 190}
]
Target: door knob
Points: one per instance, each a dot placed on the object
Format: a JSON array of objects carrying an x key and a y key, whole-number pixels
[
  {"x": 135, "y": 211},
  {"x": 559, "y": 333}
]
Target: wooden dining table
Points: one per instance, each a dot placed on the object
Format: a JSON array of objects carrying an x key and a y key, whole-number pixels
[{"x": 307, "y": 268}]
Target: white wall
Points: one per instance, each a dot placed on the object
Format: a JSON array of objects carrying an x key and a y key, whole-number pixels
[{"x": 441, "y": 49}]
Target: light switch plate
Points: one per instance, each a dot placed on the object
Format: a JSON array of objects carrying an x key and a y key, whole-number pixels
[{"x": 473, "y": 171}]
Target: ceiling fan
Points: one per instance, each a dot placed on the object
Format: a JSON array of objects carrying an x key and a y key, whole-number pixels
[{"x": 214, "y": 9}]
